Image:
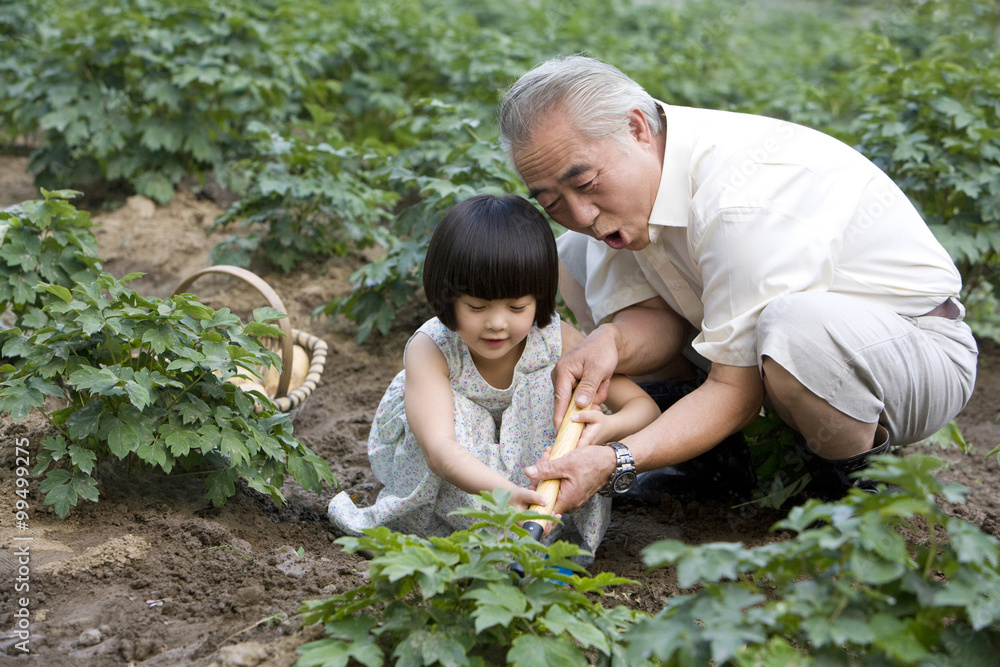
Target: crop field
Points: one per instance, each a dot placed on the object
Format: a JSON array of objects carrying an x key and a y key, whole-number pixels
[{"x": 151, "y": 516}]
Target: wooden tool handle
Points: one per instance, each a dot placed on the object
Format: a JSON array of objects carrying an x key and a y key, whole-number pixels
[{"x": 567, "y": 438}]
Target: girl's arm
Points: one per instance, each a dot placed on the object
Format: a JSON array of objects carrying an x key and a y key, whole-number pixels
[
  {"x": 430, "y": 413},
  {"x": 632, "y": 408}
]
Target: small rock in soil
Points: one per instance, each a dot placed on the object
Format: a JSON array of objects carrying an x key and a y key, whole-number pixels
[{"x": 90, "y": 637}]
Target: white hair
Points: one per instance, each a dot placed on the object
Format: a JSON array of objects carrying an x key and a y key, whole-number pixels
[{"x": 597, "y": 97}]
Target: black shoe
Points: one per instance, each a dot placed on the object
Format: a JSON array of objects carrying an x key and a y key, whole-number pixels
[
  {"x": 832, "y": 479},
  {"x": 725, "y": 471}
]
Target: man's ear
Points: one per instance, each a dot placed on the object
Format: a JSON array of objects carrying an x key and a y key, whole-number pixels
[{"x": 639, "y": 127}]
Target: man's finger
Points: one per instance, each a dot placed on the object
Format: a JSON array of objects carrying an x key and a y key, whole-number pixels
[
  {"x": 543, "y": 470},
  {"x": 563, "y": 382},
  {"x": 593, "y": 387}
]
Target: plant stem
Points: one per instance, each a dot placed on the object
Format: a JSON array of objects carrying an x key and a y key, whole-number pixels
[
  {"x": 182, "y": 392},
  {"x": 53, "y": 425},
  {"x": 931, "y": 552}
]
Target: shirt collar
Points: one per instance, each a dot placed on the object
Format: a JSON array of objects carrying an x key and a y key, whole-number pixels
[{"x": 673, "y": 199}]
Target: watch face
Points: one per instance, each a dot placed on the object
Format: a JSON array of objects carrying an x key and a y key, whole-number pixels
[{"x": 624, "y": 482}]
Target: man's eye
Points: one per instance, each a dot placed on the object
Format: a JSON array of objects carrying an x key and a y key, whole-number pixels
[{"x": 586, "y": 186}]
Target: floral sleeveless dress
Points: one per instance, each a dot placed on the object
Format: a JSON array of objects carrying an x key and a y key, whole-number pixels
[{"x": 506, "y": 429}]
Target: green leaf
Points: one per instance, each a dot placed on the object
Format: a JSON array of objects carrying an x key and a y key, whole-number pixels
[
  {"x": 498, "y": 604},
  {"x": 849, "y": 627},
  {"x": 221, "y": 484},
  {"x": 192, "y": 409},
  {"x": 711, "y": 562},
  {"x": 100, "y": 381},
  {"x": 55, "y": 446},
  {"x": 530, "y": 650},
  {"x": 139, "y": 388},
  {"x": 869, "y": 568},
  {"x": 976, "y": 595},
  {"x": 305, "y": 472},
  {"x": 91, "y": 322},
  {"x": 59, "y": 291},
  {"x": 85, "y": 421},
  {"x": 154, "y": 453},
  {"x": 85, "y": 486},
  {"x": 968, "y": 647},
  {"x": 971, "y": 545},
  {"x": 59, "y": 492},
  {"x": 126, "y": 431},
  {"x": 430, "y": 568},
  {"x": 180, "y": 441},
  {"x": 663, "y": 553},
  {"x": 339, "y": 653},
  {"x": 18, "y": 400},
  {"x": 262, "y": 330},
  {"x": 583, "y": 630},
  {"x": 161, "y": 136},
  {"x": 160, "y": 338},
  {"x": 432, "y": 648},
  {"x": 233, "y": 445},
  {"x": 892, "y": 636},
  {"x": 83, "y": 459}
]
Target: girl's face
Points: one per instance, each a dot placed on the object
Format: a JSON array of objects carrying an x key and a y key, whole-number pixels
[{"x": 494, "y": 329}]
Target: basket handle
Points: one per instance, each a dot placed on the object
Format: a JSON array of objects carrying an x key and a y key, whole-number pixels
[{"x": 265, "y": 290}]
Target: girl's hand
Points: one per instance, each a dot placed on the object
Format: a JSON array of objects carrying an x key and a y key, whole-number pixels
[
  {"x": 597, "y": 430},
  {"x": 523, "y": 498}
]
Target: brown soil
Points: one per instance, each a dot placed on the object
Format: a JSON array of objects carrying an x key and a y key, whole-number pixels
[{"x": 154, "y": 575}]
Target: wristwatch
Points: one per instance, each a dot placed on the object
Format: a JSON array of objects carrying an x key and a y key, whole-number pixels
[{"x": 623, "y": 477}]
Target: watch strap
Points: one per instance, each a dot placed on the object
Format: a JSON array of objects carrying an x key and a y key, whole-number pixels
[{"x": 624, "y": 464}]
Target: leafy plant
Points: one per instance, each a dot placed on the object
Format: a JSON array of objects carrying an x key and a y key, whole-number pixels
[
  {"x": 143, "y": 380},
  {"x": 930, "y": 119},
  {"x": 887, "y": 578},
  {"x": 380, "y": 113},
  {"x": 308, "y": 199},
  {"x": 145, "y": 91},
  {"x": 452, "y": 600},
  {"x": 781, "y": 473},
  {"x": 43, "y": 240},
  {"x": 451, "y": 164}
]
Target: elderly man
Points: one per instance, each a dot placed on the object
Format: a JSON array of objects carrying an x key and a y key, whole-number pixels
[{"x": 804, "y": 271}]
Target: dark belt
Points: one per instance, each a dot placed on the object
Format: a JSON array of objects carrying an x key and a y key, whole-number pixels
[{"x": 948, "y": 309}]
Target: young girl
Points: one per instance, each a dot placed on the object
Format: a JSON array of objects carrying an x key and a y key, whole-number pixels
[{"x": 473, "y": 406}]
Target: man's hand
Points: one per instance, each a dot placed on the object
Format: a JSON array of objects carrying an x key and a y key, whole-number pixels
[
  {"x": 640, "y": 339},
  {"x": 583, "y": 472},
  {"x": 591, "y": 365}
]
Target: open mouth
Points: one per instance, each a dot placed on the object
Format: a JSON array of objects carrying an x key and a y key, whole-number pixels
[{"x": 615, "y": 240}]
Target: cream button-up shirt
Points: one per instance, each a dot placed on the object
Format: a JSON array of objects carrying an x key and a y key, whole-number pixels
[{"x": 751, "y": 208}]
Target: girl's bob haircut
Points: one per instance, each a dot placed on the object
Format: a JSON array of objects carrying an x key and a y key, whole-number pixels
[{"x": 490, "y": 247}]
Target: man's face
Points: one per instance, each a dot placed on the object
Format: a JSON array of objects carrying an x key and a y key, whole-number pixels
[{"x": 594, "y": 186}]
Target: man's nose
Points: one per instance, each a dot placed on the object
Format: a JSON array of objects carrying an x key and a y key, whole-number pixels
[{"x": 582, "y": 212}]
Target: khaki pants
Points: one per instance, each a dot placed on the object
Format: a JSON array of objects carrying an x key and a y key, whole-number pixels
[{"x": 913, "y": 375}]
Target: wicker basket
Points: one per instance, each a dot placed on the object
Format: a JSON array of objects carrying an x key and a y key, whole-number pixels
[{"x": 288, "y": 399}]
